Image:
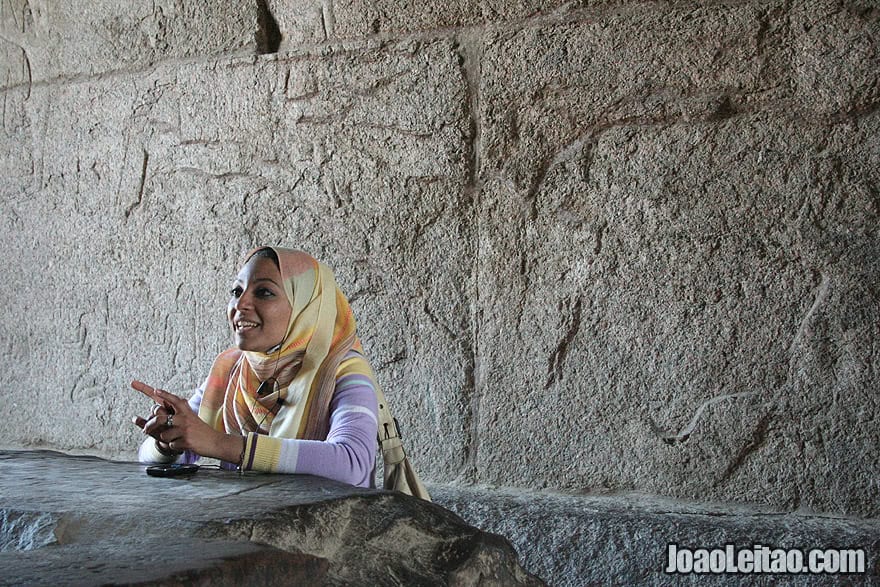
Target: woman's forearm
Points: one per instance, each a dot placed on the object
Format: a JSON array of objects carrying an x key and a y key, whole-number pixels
[{"x": 348, "y": 454}]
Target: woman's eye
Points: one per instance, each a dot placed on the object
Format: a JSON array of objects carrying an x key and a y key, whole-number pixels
[
  {"x": 235, "y": 292},
  {"x": 265, "y": 293}
]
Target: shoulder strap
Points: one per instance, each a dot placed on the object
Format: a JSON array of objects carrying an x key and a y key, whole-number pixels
[{"x": 399, "y": 472}]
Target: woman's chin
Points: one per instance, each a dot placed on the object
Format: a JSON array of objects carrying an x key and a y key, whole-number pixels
[{"x": 243, "y": 344}]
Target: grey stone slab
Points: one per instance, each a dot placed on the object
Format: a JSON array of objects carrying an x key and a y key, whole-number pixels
[
  {"x": 705, "y": 353},
  {"x": 354, "y": 18},
  {"x": 548, "y": 85},
  {"x": 164, "y": 561},
  {"x": 157, "y": 187},
  {"x": 834, "y": 56},
  {"x": 319, "y": 21},
  {"x": 623, "y": 539},
  {"x": 112, "y": 523},
  {"x": 43, "y": 40},
  {"x": 693, "y": 273}
]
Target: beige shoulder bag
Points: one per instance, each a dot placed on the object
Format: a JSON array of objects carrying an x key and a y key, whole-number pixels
[{"x": 399, "y": 473}]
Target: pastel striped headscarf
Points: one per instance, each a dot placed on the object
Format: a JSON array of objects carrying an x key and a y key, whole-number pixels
[{"x": 320, "y": 332}]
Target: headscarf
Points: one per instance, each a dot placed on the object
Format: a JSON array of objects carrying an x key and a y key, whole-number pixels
[{"x": 320, "y": 332}]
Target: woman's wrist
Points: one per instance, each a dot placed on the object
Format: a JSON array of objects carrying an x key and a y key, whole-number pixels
[{"x": 233, "y": 448}]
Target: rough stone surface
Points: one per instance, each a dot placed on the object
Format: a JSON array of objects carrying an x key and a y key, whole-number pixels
[
  {"x": 677, "y": 247},
  {"x": 318, "y": 21},
  {"x": 111, "y": 523},
  {"x": 624, "y": 539},
  {"x": 45, "y": 39},
  {"x": 591, "y": 245},
  {"x": 634, "y": 331},
  {"x": 325, "y": 20},
  {"x": 193, "y": 165}
]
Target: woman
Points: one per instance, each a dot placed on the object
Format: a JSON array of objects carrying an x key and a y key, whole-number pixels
[{"x": 295, "y": 395}]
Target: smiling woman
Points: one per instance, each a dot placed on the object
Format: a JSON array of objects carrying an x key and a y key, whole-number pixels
[
  {"x": 258, "y": 309},
  {"x": 295, "y": 394}
]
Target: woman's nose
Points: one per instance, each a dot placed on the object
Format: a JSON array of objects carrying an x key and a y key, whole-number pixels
[{"x": 244, "y": 301}]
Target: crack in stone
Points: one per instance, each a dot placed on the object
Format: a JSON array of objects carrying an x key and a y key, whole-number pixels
[
  {"x": 437, "y": 322},
  {"x": 211, "y": 175},
  {"x": 557, "y": 359},
  {"x": 470, "y": 50},
  {"x": 328, "y": 19},
  {"x": 469, "y": 46},
  {"x": 600, "y": 235},
  {"x": 821, "y": 295},
  {"x": 143, "y": 181},
  {"x": 671, "y": 437},
  {"x": 254, "y": 488},
  {"x": 268, "y": 35},
  {"x": 759, "y": 436}
]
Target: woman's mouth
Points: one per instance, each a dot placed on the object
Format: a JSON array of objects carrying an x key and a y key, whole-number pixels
[{"x": 245, "y": 325}]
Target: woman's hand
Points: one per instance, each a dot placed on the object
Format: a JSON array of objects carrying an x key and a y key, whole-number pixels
[
  {"x": 174, "y": 425},
  {"x": 155, "y": 424}
]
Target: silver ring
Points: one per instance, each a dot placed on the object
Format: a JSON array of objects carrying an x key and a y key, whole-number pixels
[{"x": 170, "y": 421}]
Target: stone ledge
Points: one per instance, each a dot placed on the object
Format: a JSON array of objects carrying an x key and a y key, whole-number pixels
[
  {"x": 622, "y": 539},
  {"x": 98, "y": 522},
  {"x": 161, "y": 562}
]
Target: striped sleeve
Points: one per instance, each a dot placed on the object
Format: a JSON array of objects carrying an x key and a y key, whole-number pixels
[{"x": 349, "y": 452}]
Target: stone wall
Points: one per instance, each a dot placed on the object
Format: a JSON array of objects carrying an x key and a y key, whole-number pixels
[{"x": 592, "y": 245}]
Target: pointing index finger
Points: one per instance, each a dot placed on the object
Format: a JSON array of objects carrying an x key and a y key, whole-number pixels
[
  {"x": 169, "y": 401},
  {"x": 145, "y": 389}
]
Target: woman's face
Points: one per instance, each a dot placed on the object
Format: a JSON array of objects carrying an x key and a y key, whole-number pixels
[{"x": 258, "y": 309}]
